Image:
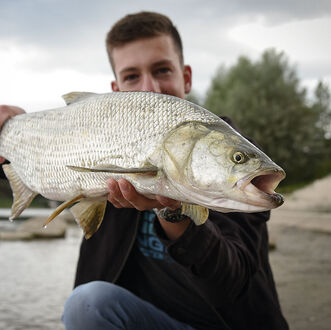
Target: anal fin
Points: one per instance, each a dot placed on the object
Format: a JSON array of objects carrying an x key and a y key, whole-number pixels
[
  {"x": 89, "y": 214},
  {"x": 197, "y": 213},
  {"x": 22, "y": 195}
]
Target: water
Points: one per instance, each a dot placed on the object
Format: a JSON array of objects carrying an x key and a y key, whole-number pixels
[{"x": 36, "y": 278}]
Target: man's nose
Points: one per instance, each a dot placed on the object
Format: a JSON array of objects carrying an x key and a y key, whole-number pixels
[{"x": 150, "y": 84}]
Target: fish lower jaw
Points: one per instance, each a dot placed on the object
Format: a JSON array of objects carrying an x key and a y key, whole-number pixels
[
  {"x": 259, "y": 188},
  {"x": 231, "y": 205},
  {"x": 269, "y": 199}
]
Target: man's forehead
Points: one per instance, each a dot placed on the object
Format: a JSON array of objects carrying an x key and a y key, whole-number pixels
[{"x": 142, "y": 52}]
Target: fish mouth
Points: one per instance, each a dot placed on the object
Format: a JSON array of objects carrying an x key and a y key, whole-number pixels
[{"x": 263, "y": 185}]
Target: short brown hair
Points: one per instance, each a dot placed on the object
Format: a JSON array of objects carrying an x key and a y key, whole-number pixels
[{"x": 142, "y": 25}]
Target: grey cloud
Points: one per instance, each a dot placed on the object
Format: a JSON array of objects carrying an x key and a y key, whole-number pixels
[
  {"x": 71, "y": 33},
  {"x": 272, "y": 11},
  {"x": 49, "y": 21},
  {"x": 70, "y": 23},
  {"x": 53, "y": 20}
]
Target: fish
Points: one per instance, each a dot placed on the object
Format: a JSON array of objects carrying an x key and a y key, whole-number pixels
[{"x": 162, "y": 144}]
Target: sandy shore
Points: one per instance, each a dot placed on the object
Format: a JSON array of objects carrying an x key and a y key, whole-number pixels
[{"x": 301, "y": 262}]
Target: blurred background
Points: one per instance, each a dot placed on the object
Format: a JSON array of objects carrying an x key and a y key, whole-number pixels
[{"x": 266, "y": 64}]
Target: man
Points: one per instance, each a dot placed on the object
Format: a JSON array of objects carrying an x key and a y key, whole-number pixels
[{"x": 157, "y": 270}]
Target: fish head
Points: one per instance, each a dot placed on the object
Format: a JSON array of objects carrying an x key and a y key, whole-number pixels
[{"x": 216, "y": 167}]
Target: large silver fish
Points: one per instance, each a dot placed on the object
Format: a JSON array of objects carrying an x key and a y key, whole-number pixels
[{"x": 162, "y": 144}]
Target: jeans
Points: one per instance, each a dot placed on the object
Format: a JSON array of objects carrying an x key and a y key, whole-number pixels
[{"x": 101, "y": 305}]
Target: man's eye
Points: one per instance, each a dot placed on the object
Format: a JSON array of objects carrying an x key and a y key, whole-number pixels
[
  {"x": 131, "y": 77},
  {"x": 162, "y": 70}
]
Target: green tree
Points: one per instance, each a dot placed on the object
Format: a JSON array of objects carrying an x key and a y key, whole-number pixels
[
  {"x": 322, "y": 105},
  {"x": 266, "y": 102}
]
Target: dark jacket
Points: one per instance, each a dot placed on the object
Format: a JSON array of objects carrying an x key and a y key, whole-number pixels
[{"x": 227, "y": 258}]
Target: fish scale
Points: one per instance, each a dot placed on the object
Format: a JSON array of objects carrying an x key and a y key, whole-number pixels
[{"x": 95, "y": 131}]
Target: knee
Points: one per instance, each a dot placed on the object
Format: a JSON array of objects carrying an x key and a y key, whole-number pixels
[
  {"x": 92, "y": 294},
  {"x": 87, "y": 302}
]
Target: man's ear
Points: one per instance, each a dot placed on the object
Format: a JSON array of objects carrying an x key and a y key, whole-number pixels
[
  {"x": 187, "y": 78},
  {"x": 114, "y": 86}
]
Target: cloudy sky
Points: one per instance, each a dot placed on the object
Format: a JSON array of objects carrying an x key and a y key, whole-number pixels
[{"x": 51, "y": 47}]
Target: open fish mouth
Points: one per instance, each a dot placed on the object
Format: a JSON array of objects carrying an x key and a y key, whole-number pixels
[{"x": 263, "y": 185}]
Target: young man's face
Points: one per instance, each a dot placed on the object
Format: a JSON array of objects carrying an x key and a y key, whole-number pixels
[{"x": 150, "y": 65}]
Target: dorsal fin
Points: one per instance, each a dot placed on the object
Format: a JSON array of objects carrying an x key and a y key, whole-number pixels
[{"x": 76, "y": 96}]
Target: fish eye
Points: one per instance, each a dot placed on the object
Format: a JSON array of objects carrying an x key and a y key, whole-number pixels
[{"x": 239, "y": 157}]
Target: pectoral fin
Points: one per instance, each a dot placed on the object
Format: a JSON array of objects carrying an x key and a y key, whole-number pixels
[
  {"x": 198, "y": 214},
  {"x": 89, "y": 214},
  {"x": 22, "y": 195},
  {"x": 115, "y": 169}
]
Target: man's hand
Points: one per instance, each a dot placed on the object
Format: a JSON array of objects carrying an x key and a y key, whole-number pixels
[
  {"x": 6, "y": 112},
  {"x": 123, "y": 194}
]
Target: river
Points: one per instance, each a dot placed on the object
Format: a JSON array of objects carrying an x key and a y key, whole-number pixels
[{"x": 36, "y": 278}]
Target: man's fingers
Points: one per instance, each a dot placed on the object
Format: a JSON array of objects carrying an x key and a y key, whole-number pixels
[
  {"x": 137, "y": 200},
  {"x": 123, "y": 194},
  {"x": 11, "y": 109},
  {"x": 2, "y": 160},
  {"x": 115, "y": 195},
  {"x": 8, "y": 111}
]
